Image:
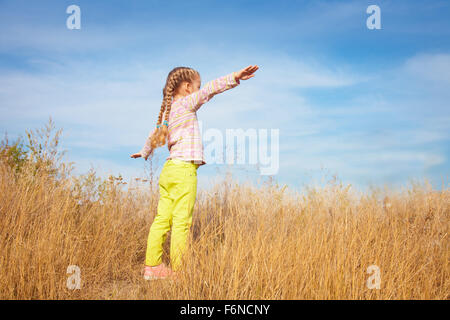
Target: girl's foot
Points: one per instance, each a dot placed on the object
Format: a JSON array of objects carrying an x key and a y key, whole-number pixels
[
  {"x": 175, "y": 276},
  {"x": 160, "y": 271}
]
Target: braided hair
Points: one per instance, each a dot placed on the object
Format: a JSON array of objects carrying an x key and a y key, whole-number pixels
[{"x": 174, "y": 79}]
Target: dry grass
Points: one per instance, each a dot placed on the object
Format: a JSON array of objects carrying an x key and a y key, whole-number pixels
[{"x": 248, "y": 242}]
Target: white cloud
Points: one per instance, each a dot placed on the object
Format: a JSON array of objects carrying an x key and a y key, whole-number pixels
[{"x": 431, "y": 67}]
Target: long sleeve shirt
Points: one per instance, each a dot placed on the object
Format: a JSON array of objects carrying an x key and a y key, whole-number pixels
[{"x": 185, "y": 141}]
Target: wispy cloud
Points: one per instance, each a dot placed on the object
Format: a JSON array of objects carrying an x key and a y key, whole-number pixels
[{"x": 430, "y": 67}]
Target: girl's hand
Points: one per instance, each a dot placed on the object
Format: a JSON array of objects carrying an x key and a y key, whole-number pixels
[
  {"x": 138, "y": 155},
  {"x": 246, "y": 73}
]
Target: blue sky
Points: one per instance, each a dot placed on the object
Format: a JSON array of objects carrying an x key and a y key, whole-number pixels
[{"x": 371, "y": 106}]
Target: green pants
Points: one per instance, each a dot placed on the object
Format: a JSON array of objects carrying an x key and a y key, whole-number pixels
[{"x": 177, "y": 193}]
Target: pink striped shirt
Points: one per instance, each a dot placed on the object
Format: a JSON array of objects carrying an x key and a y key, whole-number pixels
[{"x": 185, "y": 142}]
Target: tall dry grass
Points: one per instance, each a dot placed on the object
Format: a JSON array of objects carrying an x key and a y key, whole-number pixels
[{"x": 247, "y": 242}]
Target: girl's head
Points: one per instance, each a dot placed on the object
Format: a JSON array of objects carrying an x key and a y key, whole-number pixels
[{"x": 181, "y": 81}]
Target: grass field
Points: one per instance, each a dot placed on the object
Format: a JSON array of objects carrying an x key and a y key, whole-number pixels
[{"x": 248, "y": 242}]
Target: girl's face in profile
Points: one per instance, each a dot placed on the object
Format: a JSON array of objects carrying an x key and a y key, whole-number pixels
[
  {"x": 187, "y": 88},
  {"x": 196, "y": 84}
]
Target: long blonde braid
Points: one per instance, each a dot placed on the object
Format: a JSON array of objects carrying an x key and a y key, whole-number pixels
[{"x": 174, "y": 79}]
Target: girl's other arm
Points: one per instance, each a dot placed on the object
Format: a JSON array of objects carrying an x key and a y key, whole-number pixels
[
  {"x": 198, "y": 98},
  {"x": 147, "y": 149}
]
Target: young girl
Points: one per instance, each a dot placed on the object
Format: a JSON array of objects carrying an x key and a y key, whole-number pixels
[{"x": 178, "y": 179}]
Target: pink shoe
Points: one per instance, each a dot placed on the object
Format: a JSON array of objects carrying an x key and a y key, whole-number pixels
[
  {"x": 175, "y": 276},
  {"x": 160, "y": 271}
]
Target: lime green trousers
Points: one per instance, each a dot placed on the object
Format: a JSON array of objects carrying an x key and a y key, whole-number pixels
[{"x": 177, "y": 194}]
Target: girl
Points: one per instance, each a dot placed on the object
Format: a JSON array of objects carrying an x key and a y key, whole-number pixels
[{"x": 182, "y": 97}]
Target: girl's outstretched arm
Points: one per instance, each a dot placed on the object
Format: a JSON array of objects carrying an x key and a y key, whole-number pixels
[{"x": 198, "y": 98}]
